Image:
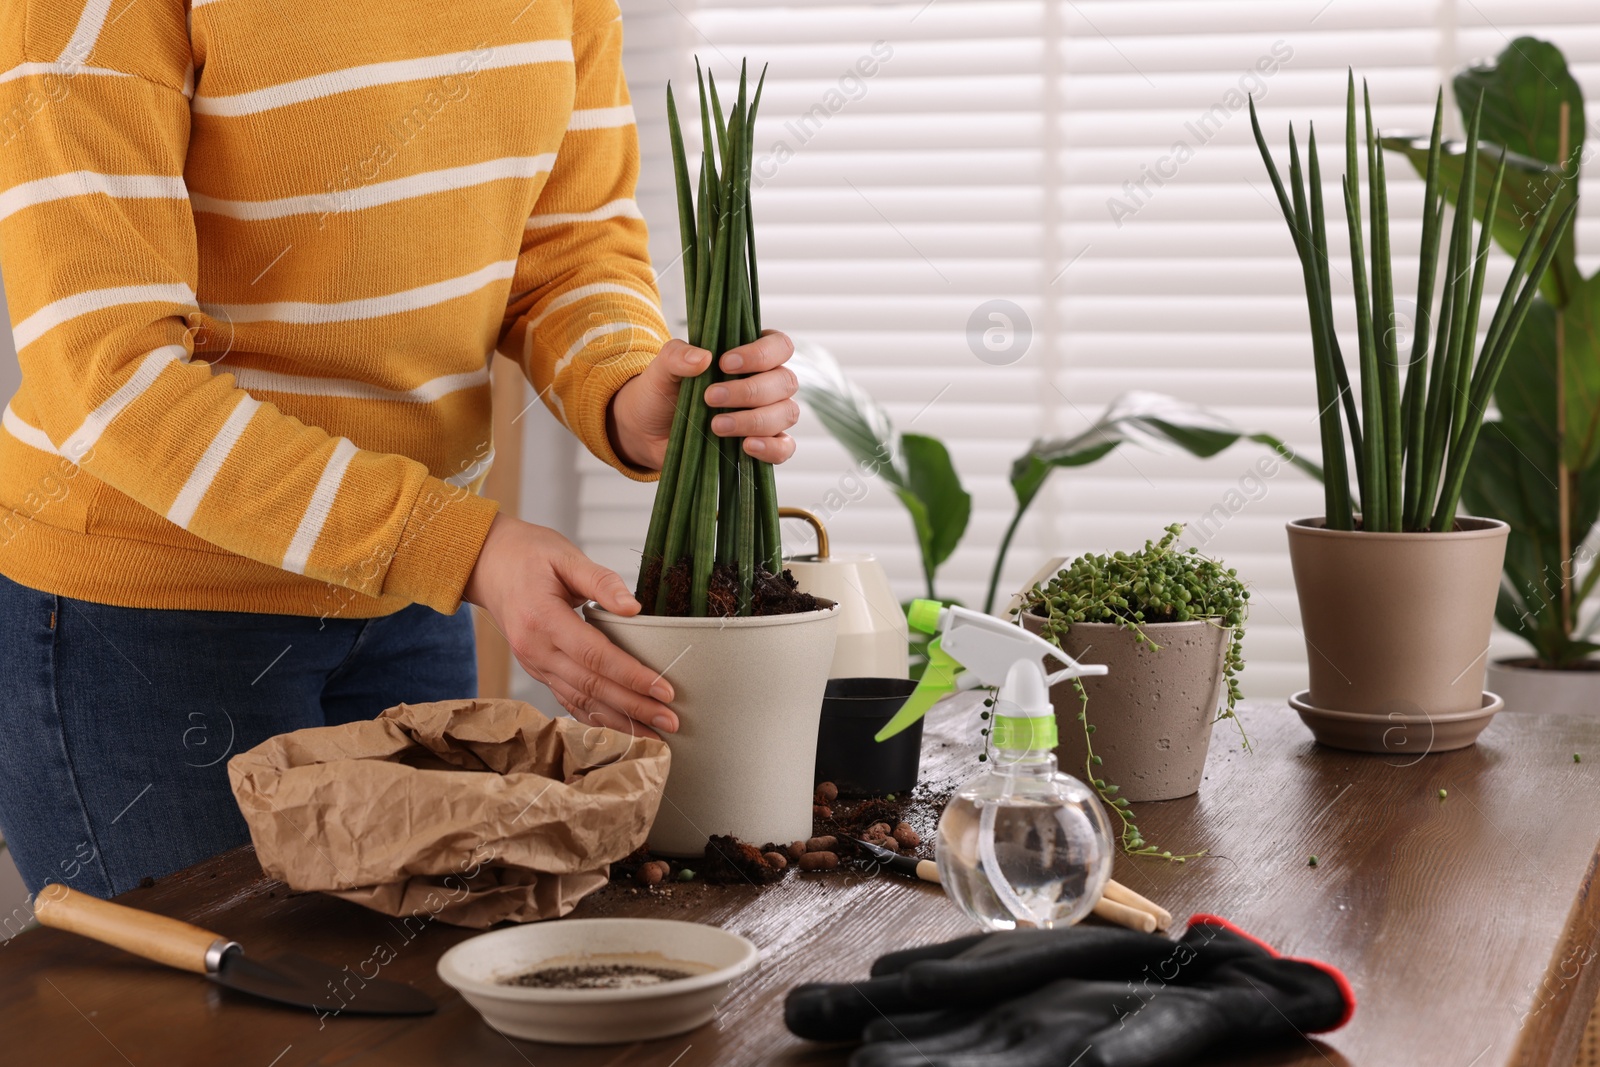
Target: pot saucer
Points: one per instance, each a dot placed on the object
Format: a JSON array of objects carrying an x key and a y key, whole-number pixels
[{"x": 1395, "y": 733}]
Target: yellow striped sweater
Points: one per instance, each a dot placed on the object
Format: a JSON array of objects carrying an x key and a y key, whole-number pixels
[{"x": 258, "y": 257}]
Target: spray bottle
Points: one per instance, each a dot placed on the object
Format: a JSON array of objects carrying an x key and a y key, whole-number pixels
[{"x": 1021, "y": 844}]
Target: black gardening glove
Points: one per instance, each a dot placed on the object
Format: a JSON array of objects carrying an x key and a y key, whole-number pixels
[
  {"x": 970, "y": 972},
  {"x": 1165, "y": 1002}
]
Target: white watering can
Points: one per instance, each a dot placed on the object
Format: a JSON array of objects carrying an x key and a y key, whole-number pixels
[{"x": 872, "y": 626}]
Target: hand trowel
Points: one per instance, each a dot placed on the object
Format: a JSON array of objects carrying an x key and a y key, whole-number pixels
[{"x": 287, "y": 978}]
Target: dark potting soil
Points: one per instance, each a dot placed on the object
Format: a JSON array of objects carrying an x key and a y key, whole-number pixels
[
  {"x": 729, "y": 861},
  {"x": 597, "y": 976},
  {"x": 771, "y": 594}
]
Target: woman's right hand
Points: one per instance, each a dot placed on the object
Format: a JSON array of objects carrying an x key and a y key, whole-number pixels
[{"x": 529, "y": 578}]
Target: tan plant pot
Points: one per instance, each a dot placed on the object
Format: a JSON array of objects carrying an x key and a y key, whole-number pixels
[
  {"x": 1397, "y": 632},
  {"x": 1528, "y": 688},
  {"x": 749, "y": 698},
  {"x": 1152, "y": 712}
]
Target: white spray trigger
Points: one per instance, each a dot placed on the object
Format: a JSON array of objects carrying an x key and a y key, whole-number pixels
[{"x": 986, "y": 647}]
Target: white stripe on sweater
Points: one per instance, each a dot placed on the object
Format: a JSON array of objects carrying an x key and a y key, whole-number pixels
[
  {"x": 143, "y": 377},
  {"x": 308, "y": 314},
  {"x": 27, "y": 434},
  {"x": 66, "y": 70},
  {"x": 68, "y": 308},
  {"x": 318, "y": 86},
  {"x": 267, "y": 381},
  {"x": 583, "y": 292},
  {"x": 592, "y": 335},
  {"x": 87, "y": 33},
  {"x": 211, "y": 461},
  {"x": 90, "y": 183},
  {"x": 601, "y": 118},
  {"x": 317, "y": 511},
  {"x": 624, "y": 209},
  {"x": 338, "y": 200}
]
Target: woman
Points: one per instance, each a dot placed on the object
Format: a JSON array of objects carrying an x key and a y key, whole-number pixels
[{"x": 258, "y": 257}]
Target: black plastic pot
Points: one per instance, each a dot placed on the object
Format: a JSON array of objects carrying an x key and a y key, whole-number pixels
[{"x": 853, "y": 710}]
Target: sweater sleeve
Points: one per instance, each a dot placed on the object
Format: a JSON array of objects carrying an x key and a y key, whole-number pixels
[
  {"x": 585, "y": 316},
  {"x": 98, "y": 248}
]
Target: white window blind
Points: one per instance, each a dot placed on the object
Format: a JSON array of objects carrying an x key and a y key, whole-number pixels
[{"x": 1092, "y": 163}]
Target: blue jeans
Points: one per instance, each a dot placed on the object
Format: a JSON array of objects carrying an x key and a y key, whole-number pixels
[{"x": 116, "y": 724}]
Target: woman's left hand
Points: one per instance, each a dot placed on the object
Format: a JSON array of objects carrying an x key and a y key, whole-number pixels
[{"x": 758, "y": 408}]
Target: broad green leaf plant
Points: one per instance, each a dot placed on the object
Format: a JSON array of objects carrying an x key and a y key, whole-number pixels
[
  {"x": 1537, "y": 466},
  {"x": 919, "y": 468}
]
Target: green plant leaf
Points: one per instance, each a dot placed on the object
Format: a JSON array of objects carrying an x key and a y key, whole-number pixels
[
  {"x": 1151, "y": 420},
  {"x": 942, "y": 507},
  {"x": 917, "y": 467},
  {"x": 1522, "y": 94},
  {"x": 1512, "y": 477},
  {"x": 848, "y": 413},
  {"x": 1582, "y": 378}
]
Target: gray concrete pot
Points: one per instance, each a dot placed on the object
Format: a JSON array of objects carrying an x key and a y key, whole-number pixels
[
  {"x": 1152, "y": 712},
  {"x": 749, "y": 699},
  {"x": 1527, "y": 688}
]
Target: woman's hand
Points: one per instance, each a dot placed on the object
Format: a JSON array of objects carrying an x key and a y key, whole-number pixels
[
  {"x": 529, "y": 578},
  {"x": 759, "y": 408}
]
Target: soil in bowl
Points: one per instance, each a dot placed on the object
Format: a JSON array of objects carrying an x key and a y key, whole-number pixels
[{"x": 606, "y": 972}]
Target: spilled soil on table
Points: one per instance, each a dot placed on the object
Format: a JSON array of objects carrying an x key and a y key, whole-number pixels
[{"x": 729, "y": 861}]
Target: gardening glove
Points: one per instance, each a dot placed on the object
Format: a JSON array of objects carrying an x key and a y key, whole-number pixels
[
  {"x": 1162, "y": 1002},
  {"x": 973, "y": 971}
]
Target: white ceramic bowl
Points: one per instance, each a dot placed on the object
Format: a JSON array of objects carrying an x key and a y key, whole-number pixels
[{"x": 477, "y": 967}]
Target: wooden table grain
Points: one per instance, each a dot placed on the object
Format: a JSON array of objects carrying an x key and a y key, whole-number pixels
[{"x": 1469, "y": 926}]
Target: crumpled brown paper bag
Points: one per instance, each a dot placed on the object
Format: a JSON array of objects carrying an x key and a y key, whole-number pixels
[{"x": 468, "y": 811}]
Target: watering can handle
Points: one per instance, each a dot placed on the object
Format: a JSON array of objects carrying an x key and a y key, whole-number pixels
[{"x": 816, "y": 524}]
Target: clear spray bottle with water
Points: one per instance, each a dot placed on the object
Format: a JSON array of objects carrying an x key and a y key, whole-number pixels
[{"x": 1022, "y": 843}]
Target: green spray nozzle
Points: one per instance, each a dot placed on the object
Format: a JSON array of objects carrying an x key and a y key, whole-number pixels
[
  {"x": 938, "y": 681},
  {"x": 971, "y": 649}
]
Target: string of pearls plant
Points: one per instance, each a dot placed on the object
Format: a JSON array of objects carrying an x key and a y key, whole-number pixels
[{"x": 1159, "y": 583}]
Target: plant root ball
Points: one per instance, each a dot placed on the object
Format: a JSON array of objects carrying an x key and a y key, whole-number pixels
[{"x": 731, "y": 861}]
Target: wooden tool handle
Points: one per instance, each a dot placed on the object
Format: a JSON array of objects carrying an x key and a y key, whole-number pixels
[
  {"x": 1118, "y": 893},
  {"x": 1122, "y": 915},
  {"x": 155, "y": 937},
  {"x": 928, "y": 871}
]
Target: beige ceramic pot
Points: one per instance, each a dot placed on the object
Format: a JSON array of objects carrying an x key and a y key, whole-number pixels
[
  {"x": 1396, "y": 626},
  {"x": 1152, "y": 712},
  {"x": 749, "y": 698},
  {"x": 1528, "y": 688}
]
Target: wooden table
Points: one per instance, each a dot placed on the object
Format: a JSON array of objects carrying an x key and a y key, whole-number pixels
[{"x": 1468, "y": 926}]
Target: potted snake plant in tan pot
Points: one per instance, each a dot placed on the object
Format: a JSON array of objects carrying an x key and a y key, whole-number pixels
[
  {"x": 746, "y": 652},
  {"x": 1397, "y": 588}
]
